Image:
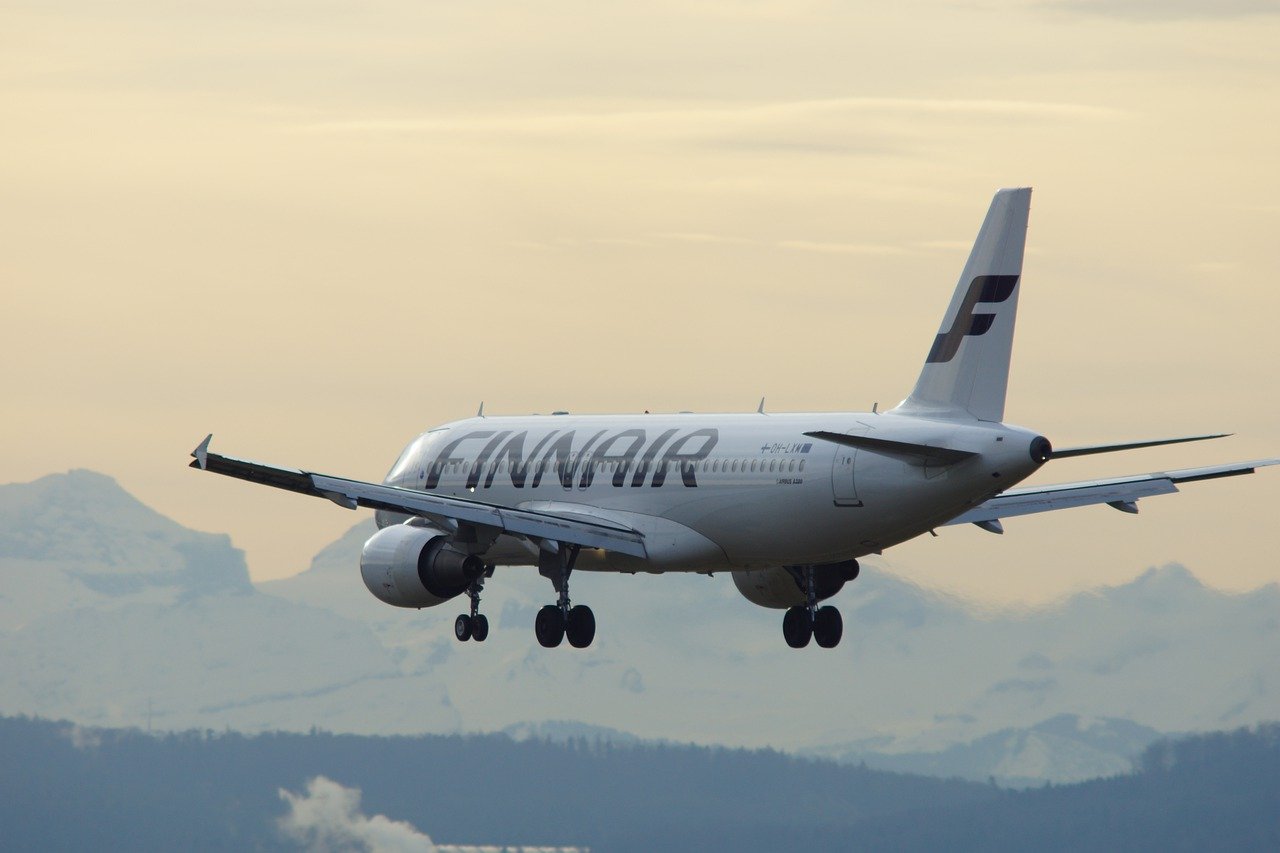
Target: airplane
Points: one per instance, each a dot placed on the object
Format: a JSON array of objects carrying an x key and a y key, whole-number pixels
[{"x": 785, "y": 503}]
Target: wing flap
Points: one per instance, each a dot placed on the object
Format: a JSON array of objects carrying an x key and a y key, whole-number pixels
[
  {"x": 1010, "y": 505},
  {"x": 1117, "y": 491},
  {"x": 356, "y": 493}
]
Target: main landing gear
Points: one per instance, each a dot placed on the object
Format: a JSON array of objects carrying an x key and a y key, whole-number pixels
[
  {"x": 557, "y": 621},
  {"x": 809, "y": 621},
  {"x": 473, "y": 626}
]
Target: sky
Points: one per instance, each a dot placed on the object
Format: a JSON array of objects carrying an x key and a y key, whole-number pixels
[{"x": 318, "y": 228}]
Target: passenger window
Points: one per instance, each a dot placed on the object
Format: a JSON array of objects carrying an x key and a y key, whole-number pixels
[{"x": 801, "y": 464}]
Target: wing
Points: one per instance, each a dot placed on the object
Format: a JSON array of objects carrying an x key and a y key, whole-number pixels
[
  {"x": 1091, "y": 449},
  {"x": 441, "y": 509},
  {"x": 1122, "y": 493}
]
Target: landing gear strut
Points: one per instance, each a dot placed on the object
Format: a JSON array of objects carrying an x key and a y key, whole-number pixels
[
  {"x": 809, "y": 621},
  {"x": 473, "y": 626},
  {"x": 557, "y": 621}
]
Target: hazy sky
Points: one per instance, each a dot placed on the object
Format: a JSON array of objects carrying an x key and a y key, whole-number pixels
[{"x": 316, "y": 228}]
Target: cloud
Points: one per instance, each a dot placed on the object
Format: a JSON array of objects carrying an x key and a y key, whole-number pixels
[
  {"x": 1169, "y": 10},
  {"x": 698, "y": 237},
  {"x": 945, "y": 245},
  {"x": 711, "y": 120},
  {"x": 328, "y": 818},
  {"x": 720, "y": 239},
  {"x": 1215, "y": 267},
  {"x": 82, "y": 738},
  {"x": 840, "y": 248}
]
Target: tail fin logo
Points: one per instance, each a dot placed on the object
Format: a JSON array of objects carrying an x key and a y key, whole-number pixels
[{"x": 983, "y": 290}]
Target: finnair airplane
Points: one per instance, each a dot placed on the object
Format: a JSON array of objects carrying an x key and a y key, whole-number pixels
[{"x": 786, "y": 503}]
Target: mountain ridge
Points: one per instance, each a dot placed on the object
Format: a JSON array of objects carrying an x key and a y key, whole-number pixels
[{"x": 923, "y": 678}]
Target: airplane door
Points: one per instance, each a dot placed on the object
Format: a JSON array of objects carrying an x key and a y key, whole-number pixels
[{"x": 844, "y": 489}]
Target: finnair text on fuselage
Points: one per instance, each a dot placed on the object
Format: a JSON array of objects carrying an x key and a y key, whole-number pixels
[{"x": 628, "y": 454}]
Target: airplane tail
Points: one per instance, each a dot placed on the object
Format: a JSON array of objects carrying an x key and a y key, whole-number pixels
[{"x": 967, "y": 371}]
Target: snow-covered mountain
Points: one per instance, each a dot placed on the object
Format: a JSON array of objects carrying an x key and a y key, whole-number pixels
[
  {"x": 917, "y": 668},
  {"x": 108, "y": 609},
  {"x": 1065, "y": 748},
  {"x": 111, "y": 614}
]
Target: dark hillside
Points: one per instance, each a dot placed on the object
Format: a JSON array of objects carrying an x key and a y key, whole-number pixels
[
  {"x": 1217, "y": 791},
  {"x": 65, "y": 787}
]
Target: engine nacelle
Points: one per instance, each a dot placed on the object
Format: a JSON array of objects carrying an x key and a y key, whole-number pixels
[
  {"x": 779, "y": 588},
  {"x": 412, "y": 566}
]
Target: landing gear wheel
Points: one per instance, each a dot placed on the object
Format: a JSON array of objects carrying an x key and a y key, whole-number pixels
[
  {"x": 827, "y": 627},
  {"x": 797, "y": 628},
  {"x": 580, "y": 626},
  {"x": 549, "y": 626},
  {"x": 480, "y": 628},
  {"x": 462, "y": 628}
]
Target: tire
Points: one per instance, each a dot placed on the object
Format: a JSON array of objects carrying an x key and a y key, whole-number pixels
[
  {"x": 549, "y": 626},
  {"x": 796, "y": 627},
  {"x": 827, "y": 627},
  {"x": 480, "y": 628},
  {"x": 462, "y": 628},
  {"x": 581, "y": 627}
]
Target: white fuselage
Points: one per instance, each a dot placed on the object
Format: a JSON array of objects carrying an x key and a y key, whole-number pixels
[{"x": 718, "y": 492}]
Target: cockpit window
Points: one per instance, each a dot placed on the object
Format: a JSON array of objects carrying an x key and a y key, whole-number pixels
[{"x": 399, "y": 471}]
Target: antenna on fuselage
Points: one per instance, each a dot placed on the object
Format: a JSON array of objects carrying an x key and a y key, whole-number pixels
[
  {"x": 760, "y": 409},
  {"x": 480, "y": 411}
]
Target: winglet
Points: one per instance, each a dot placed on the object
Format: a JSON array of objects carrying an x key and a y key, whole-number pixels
[{"x": 201, "y": 453}]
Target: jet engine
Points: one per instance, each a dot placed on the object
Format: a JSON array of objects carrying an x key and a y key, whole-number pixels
[
  {"x": 779, "y": 588},
  {"x": 413, "y": 566}
]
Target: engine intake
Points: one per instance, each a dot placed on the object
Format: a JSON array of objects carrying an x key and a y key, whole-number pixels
[
  {"x": 780, "y": 588},
  {"x": 412, "y": 566}
]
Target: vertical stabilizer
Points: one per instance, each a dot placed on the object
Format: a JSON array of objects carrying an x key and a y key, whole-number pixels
[{"x": 967, "y": 369}]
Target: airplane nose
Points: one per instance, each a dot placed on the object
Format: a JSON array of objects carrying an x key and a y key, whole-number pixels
[{"x": 1041, "y": 450}]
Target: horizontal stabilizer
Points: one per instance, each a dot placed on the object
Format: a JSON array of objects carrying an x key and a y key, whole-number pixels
[
  {"x": 922, "y": 454},
  {"x": 1120, "y": 492},
  {"x": 1089, "y": 450}
]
